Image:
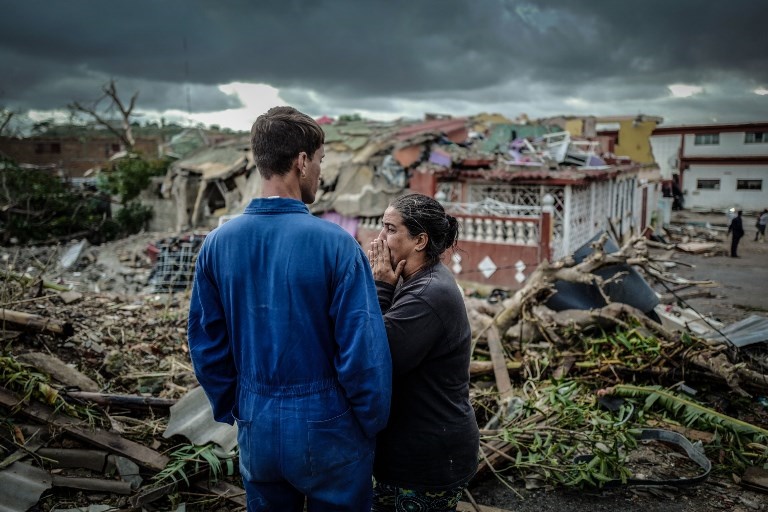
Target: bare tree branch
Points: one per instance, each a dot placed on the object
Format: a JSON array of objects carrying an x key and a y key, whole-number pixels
[
  {"x": 110, "y": 91},
  {"x": 6, "y": 116}
]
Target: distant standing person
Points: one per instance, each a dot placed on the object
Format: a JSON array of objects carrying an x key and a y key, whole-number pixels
[
  {"x": 286, "y": 335},
  {"x": 762, "y": 221},
  {"x": 429, "y": 450},
  {"x": 678, "y": 201},
  {"x": 736, "y": 230}
]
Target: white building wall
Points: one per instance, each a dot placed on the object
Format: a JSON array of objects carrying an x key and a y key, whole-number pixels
[
  {"x": 666, "y": 149},
  {"x": 731, "y": 144},
  {"x": 727, "y": 196}
]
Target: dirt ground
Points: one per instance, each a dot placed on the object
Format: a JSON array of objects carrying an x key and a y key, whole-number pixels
[{"x": 740, "y": 292}]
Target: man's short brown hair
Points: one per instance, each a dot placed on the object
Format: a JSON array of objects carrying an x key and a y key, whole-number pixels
[{"x": 278, "y": 137}]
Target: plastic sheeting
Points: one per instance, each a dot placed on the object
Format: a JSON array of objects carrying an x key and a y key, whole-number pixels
[{"x": 630, "y": 289}]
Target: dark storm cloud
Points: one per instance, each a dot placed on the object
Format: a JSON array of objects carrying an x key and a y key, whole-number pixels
[
  {"x": 54, "y": 86},
  {"x": 687, "y": 38},
  {"x": 375, "y": 51}
]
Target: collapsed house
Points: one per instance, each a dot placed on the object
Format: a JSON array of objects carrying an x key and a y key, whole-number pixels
[
  {"x": 522, "y": 193},
  {"x": 209, "y": 182}
]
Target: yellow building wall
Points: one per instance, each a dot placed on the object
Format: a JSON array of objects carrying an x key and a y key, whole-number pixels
[
  {"x": 574, "y": 127},
  {"x": 485, "y": 120},
  {"x": 635, "y": 140}
]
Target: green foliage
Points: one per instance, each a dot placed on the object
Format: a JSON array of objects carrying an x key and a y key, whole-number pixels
[
  {"x": 36, "y": 205},
  {"x": 346, "y": 118},
  {"x": 190, "y": 459},
  {"x": 130, "y": 175},
  {"x": 631, "y": 348},
  {"x": 551, "y": 423},
  {"x": 133, "y": 217},
  {"x": 576, "y": 425},
  {"x": 35, "y": 386},
  {"x": 733, "y": 435}
]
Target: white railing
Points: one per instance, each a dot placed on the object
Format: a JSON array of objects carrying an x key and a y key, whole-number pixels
[
  {"x": 499, "y": 230},
  {"x": 371, "y": 223}
]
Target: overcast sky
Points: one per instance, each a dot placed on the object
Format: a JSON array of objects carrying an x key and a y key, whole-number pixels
[{"x": 227, "y": 61}]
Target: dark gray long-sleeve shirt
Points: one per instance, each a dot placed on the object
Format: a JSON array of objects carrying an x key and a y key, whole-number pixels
[{"x": 431, "y": 440}]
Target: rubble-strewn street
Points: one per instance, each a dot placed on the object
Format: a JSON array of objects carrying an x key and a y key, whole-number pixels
[{"x": 95, "y": 356}]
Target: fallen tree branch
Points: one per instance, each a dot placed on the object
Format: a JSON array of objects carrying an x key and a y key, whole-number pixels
[
  {"x": 128, "y": 401},
  {"x": 36, "y": 322},
  {"x": 477, "y": 368}
]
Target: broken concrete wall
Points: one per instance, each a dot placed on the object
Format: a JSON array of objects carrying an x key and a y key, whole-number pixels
[{"x": 164, "y": 210}]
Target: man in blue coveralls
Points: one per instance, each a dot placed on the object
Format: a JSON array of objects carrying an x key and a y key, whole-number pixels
[{"x": 286, "y": 334}]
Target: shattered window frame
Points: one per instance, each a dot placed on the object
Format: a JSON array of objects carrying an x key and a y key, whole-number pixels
[
  {"x": 707, "y": 184},
  {"x": 706, "y": 139},
  {"x": 749, "y": 184}
]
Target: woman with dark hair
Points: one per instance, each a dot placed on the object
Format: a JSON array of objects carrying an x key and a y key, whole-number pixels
[{"x": 428, "y": 451}]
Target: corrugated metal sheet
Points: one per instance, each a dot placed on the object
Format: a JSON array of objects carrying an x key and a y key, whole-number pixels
[
  {"x": 192, "y": 418},
  {"x": 750, "y": 330},
  {"x": 21, "y": 486}
]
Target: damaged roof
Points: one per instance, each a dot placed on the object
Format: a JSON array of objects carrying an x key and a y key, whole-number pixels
[
  {"x": 364, "y": 166},
  {"x": 499, "y": 135},
  {"x": 563, "y": 176},
  {"x": 367, "y": 163},
  {"x": 185, "y": 143},
  {"x": 217, "y": 162}
]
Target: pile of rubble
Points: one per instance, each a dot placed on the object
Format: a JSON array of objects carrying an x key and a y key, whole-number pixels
[{"x": 578, "y": 380}]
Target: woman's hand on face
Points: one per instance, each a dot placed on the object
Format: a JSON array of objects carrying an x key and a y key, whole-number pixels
[{"x": 381, "y": 263}]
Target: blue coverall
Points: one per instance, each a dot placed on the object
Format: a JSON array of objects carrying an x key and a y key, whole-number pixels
[{"x": 287, "y": 339}]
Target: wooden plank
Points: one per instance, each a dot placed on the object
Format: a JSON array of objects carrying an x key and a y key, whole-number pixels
[
  {"x": 500, "y": 372},
  {"x": 140, "y": 454},
  {"x": 493, "y": 452}
]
